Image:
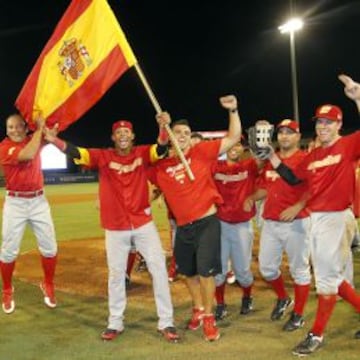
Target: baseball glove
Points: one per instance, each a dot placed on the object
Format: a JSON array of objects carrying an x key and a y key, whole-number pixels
[{"x": 259, "y": 139}]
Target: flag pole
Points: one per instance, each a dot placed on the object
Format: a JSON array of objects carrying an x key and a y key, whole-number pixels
[{"x": 167, "y": 127}]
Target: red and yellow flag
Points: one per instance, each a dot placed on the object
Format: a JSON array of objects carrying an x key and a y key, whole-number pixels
[{"x": 86, "y": 54}]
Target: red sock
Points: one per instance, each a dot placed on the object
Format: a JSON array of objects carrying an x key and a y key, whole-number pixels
[
  {"x": 7, "y": 270},
  {"x": 172, "y": 267},
  {"x": 301, "y": 296},
  {"x": 246, "y": 290},
  {"x": 130, "y": 262},
  {"x": 279, "y": 287},
  {"x": 326, "y": 305},
  {"x": 220, "y": 294},
  {"x": 347, "y": 292},
  {"x": 49, "y": 265}
]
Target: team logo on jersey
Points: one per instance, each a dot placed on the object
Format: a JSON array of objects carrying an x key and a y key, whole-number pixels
[
  {"x": 123, "y": 169},
  {"x": 177, "y": 172},
  {"x": 271, "y": 175},
  {"x": 11, "y": 150},
  {"x": 328, "y": 161},
  {"x": 75, "y": 58},
  {"x": 225, "y": 178}
]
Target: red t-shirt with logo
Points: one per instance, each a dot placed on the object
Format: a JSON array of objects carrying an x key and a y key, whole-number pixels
[
  {"x": 123, "y": 187},
  {"x": 190, "y": 200},
  {"x": 281, "y": 195},
  {"x": 235, "y": 183},
  {"x": 20, "y": 175},
  {"x": 330, "y": 174}
]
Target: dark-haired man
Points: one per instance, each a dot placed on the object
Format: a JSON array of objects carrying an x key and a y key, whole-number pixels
[{"x": 193, "y": 203}]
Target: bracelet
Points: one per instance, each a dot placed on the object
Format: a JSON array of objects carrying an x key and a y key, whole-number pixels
[
  {"x": 163, "y": 136},
  {"x": 233, "y": 110}
]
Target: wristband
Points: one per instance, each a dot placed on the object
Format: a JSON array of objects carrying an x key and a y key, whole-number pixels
[
  {"x": 163, "y": 137},
  {"x": 60, "y": 144}
]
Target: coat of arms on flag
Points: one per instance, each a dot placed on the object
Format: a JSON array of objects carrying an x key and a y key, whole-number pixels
[{"x": 75, "y": 57}]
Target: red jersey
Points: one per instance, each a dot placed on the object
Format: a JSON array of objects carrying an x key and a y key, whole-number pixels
[
  {"x": 281, "y": 195},
  {"x": 330, "y": 174},
  {"x": 189, "y": 200},
  {"x": 20, "y": 175},
  {"x": 235, "y": 182},
  {"x": 123, "y": 187}
]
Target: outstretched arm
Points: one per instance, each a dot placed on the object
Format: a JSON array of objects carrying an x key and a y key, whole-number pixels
[
  {"x": 234, "y": 132},
  {"x": 351, "y": 89},
  {"x": 50, "y": 135}
]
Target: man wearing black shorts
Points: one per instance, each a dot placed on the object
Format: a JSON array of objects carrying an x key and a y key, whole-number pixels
[{"x": 193, "y": 203}]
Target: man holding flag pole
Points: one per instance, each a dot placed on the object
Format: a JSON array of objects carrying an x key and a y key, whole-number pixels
[
  {"x": 194, "y": 205},
  {"x": 86, "y": 54}
]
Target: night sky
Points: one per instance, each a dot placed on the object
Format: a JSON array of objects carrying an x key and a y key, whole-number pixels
[{"x": 192, "y": 52}]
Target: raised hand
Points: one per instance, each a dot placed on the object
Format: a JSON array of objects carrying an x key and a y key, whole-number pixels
[
  {"x": 352, "y": 88},
  {"x": 50, "y": 134},
  {"x": 163, "y": 118},
  {"x": 228, "y": 102},
  {"x": 40, "y": 123}
]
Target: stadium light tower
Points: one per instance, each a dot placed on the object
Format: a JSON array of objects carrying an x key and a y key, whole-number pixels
[{"x": 290, "y": 27}]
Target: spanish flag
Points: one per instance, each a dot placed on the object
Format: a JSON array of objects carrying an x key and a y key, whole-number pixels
[{"x": 86, "y": 54}]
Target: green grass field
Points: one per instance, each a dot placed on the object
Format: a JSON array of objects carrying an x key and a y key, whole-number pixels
[{"x": 71, "y": 331}]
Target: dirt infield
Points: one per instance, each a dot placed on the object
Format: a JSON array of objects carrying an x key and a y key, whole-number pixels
[{"x": 82, "y": 270}]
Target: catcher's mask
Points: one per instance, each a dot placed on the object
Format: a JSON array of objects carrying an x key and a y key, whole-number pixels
[{"x": 263, "y": 132}]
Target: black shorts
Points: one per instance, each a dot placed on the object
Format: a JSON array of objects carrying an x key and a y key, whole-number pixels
[{"x": 197, "y": 247}]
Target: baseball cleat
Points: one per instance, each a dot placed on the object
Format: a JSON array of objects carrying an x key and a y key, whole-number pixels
[
  {"x": 246, "y": 305},
  {"x": 220, "y": 312},
  {"x": 210, "y": 330},
  {"x": 309, "y": 345},
  {"x": 8, "y": 303},
  {"x": 170, "y": 334},
  {"x": 196, "y": 319},
  {"x": 49, "y": 295},
  {"x": 110, "y": 334},
  {"x": 281, "y": 306},
  {"x": 295, "y": 322}
]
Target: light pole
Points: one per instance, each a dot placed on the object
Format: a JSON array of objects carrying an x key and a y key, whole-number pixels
[{"x": 291, "y": 27}]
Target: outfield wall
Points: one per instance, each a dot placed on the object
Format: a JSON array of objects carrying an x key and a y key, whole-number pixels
[
  {"x": 52, "y": 178},
  {"x": 69, "y": 178}
]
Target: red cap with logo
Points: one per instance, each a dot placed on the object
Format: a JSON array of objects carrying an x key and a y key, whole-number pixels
[
  {"x": 122, "y": 124},
  {"x": 329, "y": 112},
  {"x": 290, "y": 124}
]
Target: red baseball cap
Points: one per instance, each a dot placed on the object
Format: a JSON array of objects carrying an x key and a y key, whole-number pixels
[
  {"x": 290, "y": 124},
  {"x": 122, "y": 124},
  {"x": 328, "y": 111}
]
